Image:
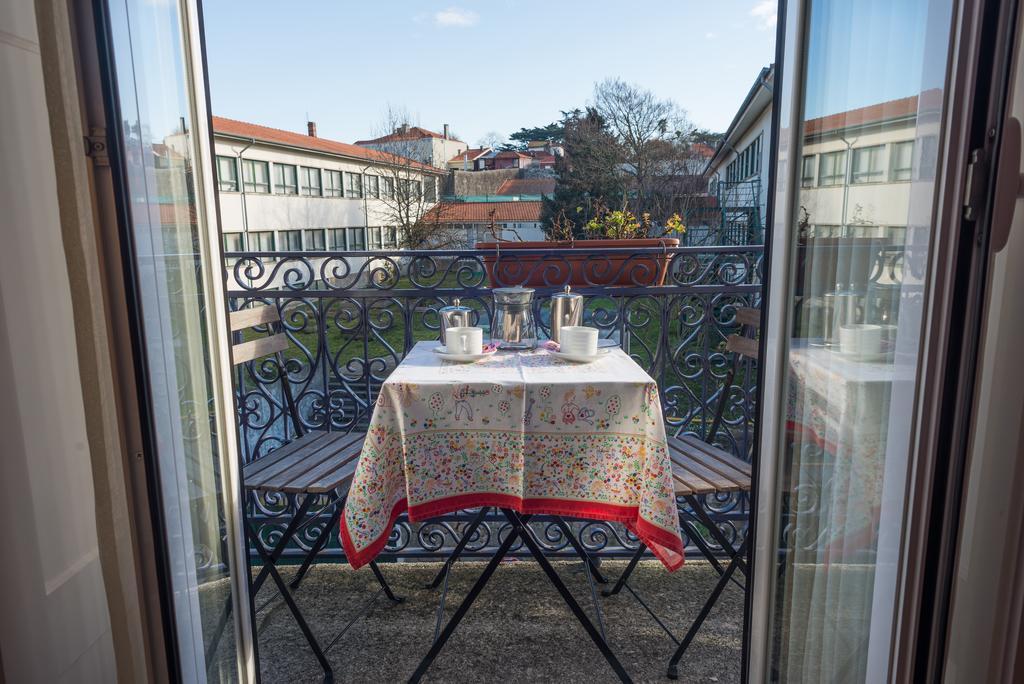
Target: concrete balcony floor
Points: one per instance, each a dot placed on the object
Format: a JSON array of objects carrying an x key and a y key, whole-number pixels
[{"x": 519, "y": 629}]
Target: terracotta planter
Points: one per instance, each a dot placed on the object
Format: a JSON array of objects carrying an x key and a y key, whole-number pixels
[{"x": 574, "y": 263}]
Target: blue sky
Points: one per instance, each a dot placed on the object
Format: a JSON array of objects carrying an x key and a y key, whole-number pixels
[
  {"x": 873, "y": 51},
  {"x": 481, "y": 66}
]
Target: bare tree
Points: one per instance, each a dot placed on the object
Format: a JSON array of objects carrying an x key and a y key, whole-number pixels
[
  {"x": 492, "y": 139},
  {"x": 401, "y": 188},
  {"x": 659, "y": 154}
]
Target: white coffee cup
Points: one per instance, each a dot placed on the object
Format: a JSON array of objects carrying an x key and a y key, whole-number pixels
[
  {"x": 468, "y": 340},
  {"x": 578, "y": 339},
  {"x": 860, "y": 339}
]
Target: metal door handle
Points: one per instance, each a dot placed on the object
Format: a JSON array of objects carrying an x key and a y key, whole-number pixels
[{"x": 1009, "y": 182}]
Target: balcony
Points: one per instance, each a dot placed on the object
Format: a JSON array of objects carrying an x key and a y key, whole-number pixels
[{"x": 351, "y": 317}]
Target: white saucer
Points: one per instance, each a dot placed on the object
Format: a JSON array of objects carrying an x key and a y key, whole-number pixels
[
  {"x": 579, "y": 358},
  {"x": 462, "y": 358},
  {"x": 855, "y": 357}
]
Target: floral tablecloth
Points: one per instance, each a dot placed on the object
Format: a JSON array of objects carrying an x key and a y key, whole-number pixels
[{"x": 523, "y": 430}]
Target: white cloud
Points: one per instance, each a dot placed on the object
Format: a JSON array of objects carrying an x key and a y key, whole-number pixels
[
  {"x": 710, "y": 36},
  {"x": 456, "y": 16},
  {"x": 764, "y": 13}
]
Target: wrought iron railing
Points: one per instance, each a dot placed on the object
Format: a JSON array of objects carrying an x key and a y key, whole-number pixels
[{"x": 352, "y": 317}]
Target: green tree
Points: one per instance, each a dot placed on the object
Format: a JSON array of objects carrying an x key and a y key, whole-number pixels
[
  {"x": 554, "y": 132},
  {"x": 587, "y": 175}
]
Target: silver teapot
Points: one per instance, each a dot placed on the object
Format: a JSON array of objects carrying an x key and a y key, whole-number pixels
[
  {"x": 566, "y": 310},
  {"x": 513, "y": 326},
  {"x": 454, "y": 316}
]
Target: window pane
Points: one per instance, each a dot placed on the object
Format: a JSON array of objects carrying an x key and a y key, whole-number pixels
[
  {"x": 356, "y": 239},
  {"x": 285, "y": 179},
  {"x": 227, "y": 174},
  {"x": 310, "y": 182},
  {"x": 291, "y": 240},
  {"x": 255, "y": 176},
  {"x": 372, "y": 186},
  {"x": 387, "y": 188},
  {"x": 807, "y": 175},
  {"x": 234, "y": 242},
  {"x": 902, "y": 160},
  {"x": 860, "y": 243},
  {"x": 261, "y": 241},
  {"x": 338, "y": 239},
  {"x": 353, "y": 185},
  {"x": 315, "y": 240}
]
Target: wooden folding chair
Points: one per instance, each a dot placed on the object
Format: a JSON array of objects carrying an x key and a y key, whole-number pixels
[
  {"x": 315, "y": 465},
  {"x": 700, "y": 469}
]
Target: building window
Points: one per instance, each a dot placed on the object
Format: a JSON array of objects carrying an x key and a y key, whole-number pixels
[
  {"x": 901, "y": 161},
  {"x": 416, "y": 191},
  {"x": 376, "y": 240},
  {"x": 227, "y": 174},
  {"x": 261, "y": 241},
  {"x": 746, "y": 164},
  {"x": 387, "y": 188},
  {"x": 927, "y": 152},
  {"x": 332, "y": 184},
  {"x": 372, "y": 186},
  {"x": 356, "y": 239},
  {"x": 807, "y": 175},
  {"x": 832, "y": 168},
  {"x": 310, "y": 182},
  {"x": 255, "y": 176},
  {"x": 291, "y": 240},
  {"x": 390, "y": 237},
  {"x": 338, "y": 239},
  {"x": 316, "y": 240},
  {"x": 286, "y": 179},
  {"x": 234, "y": 242},
  {"x": 431, "y": 190},
  {"x": 868, "y": 165},
  {"x": 353, "y": 185}
]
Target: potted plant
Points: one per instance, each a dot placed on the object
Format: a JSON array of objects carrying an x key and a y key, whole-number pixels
[{"x": 572, "y": 262}]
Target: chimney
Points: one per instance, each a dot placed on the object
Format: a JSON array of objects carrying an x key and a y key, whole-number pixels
[
  {"x": 446, "y": 131},
  {"x": 311, "y": 128}
]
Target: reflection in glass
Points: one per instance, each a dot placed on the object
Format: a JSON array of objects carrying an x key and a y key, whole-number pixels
[
  {"x": 155, "y": 102},
  {"x": 871, "y": 103}
]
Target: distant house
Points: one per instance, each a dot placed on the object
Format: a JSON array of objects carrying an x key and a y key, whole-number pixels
[
  {"x": 510, "y": 159},
  {"x": 469, "y": 160},
  {"x": 538, "y": 147},
  {"x": 527, "y": 187},
  {"x": 513, "y": 220},
  {"x": 413, "y": 142}
]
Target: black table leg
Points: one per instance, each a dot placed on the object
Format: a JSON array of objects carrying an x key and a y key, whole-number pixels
[
  {"x": 580, "y": 550},
  {"x": 673, "y": 663},
  {"x": 457, "y": 551},
  {"x": 519, "y": 524},
  {"x": 463, "y": 608}
]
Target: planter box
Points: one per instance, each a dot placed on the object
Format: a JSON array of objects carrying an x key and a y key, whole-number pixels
[{"x": 573, "y": 263}]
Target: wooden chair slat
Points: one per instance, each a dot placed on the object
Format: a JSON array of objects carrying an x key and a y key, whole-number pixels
[
  {"x": 695, "y": 482},
  {"x": 680, "y": 487},
  {"x": 340, "y": 456},
  {"x": 263, "y": 346},
  {"x": 721, "y": 455},
  {"x": 744, "y": 346},
  {"x": 338, "y": 479},
  {"x": 279, "y": 474},
  {"x": 252, "y": 469},
  {"x": 253, "y": 316},
  {"x": 694, "y": 462},
  {"x": 747, "y": 316}
]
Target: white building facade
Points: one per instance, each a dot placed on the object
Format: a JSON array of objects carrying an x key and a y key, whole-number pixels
[{"x": 284, "y": 191}]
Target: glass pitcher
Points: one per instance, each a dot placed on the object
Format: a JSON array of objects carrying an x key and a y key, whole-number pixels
[{"x": 513, "y": 326}]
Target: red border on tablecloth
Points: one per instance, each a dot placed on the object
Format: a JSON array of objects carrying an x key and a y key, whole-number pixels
[{"x": 667, "y": 547}]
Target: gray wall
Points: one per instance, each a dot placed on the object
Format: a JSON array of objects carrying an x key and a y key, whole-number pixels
[{"x": 477, "y": 182}]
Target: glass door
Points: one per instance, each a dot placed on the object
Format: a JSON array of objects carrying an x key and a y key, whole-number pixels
[
  {"x": 160, "y": 149},
  {"x": 860, "y": 159}
]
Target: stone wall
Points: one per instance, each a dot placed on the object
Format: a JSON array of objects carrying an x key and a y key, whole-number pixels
[{"x": 462, "y": 183}]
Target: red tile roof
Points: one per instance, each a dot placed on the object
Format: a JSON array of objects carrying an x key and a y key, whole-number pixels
[
  {"x": 241, "y": 129},
  {"x": 526, "y": 186},
  {"x": 483, "y": 212},
  {"x": 872, "y": 114},
  {"x": 506, "y": 154},
  {"x": 411, "y": 133},
  {"x": 470, "y": 154},
  {"x": 703, "y": 150}
]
